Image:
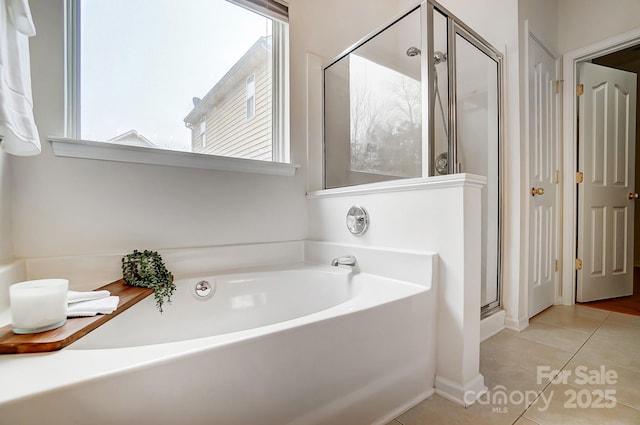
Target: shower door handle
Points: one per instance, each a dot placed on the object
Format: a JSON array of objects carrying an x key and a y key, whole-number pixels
[{"x": 538, "y": 191}]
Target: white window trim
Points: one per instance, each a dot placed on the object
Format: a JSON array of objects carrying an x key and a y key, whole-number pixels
[
  {"x": 73, "y": 146},
  {"x": 86, "y": 149}
]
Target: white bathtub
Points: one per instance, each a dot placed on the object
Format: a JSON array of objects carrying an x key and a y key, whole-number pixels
[{"x": 296, "y": 345}]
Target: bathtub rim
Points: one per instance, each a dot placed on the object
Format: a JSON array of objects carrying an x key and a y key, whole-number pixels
[{"x": 98, "y": 363}]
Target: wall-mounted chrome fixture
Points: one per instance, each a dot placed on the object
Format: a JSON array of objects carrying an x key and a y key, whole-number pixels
[
  {"x": 413, "y": 51},
  {"x": 347, "y": 260},
  {"x": 357, "y": 220}
]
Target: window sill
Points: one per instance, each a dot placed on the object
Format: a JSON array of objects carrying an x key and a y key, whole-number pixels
[{"x": 121, "y": 153}]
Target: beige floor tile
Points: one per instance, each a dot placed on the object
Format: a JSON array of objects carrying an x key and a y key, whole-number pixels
[
  {"x": 619, "y": 332},
  {"x": 616, "y": 344},
  {"x": 624, "y": 319},
  {"x": 626, "y": 387},
  {"x": 506, "y": 350},
  {"x": 568, "y": 404},
  {"x": 393, "y": 422},
  {"x": 510, "y": 360},
  {"x": 562, "y": 338},
  {"x": 506, "y": 339},
  {"x": 438, "y": 411},
  {"x": 513, "y": 378},
  {"x": 518, "y": 397},
  {"x": 525, "y": 421},
  {"x": 577, "y": 318}
]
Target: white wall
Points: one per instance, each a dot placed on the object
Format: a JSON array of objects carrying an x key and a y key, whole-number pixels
[
  {"x": 6, "y": 237},
  {"x": 10, "y": 271},
  {"x": 543, "y": 20},
  {"x": 66, "y": 206},
  {"x": 585, "y": 22}
]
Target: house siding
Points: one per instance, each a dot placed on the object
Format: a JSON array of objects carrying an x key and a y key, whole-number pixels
[{"x": 229, "y": 132}]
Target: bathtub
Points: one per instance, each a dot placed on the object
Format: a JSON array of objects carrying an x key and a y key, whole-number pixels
[{"x": 297, "y": 344}]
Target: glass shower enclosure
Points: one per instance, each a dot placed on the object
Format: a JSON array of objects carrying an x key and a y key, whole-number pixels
[{"x": 420, "y": 97}]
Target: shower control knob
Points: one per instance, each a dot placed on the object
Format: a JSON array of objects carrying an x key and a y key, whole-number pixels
[{"x": 357, "y": 220}]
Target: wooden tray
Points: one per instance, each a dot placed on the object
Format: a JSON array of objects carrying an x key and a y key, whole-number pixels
[{"x": 74, "y": 329}]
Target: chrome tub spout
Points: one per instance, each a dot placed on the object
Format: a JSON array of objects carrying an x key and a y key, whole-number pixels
[{"x": 347, "y": 260}]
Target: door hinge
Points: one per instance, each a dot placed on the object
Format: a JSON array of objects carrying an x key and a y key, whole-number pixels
[
  {"x": 558, "y": 85},
  {"x": 555, "y": 265},
  {"x": 578, "y": 264},
  {"x": 580, "y": 89},
  {"x": 579, "y": 177},
  {"x": 556, "y": 176}
]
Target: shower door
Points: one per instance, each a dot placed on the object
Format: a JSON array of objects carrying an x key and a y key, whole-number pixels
[{"x": 477, "y": 134}]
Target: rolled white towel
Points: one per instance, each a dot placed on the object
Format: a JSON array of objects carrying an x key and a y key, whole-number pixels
[
  {"x": 76, "y": 296},
  {"x": 91, "y": 308}
]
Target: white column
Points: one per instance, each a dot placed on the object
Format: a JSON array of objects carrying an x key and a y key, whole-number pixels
[{"x": 458, "y": 375}]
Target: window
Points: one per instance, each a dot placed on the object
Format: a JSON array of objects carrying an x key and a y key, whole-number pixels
[
  {"x": 251, "y": 97},
  {"x": 137, "y": 75},
  {"x": 203, "y": 133}
]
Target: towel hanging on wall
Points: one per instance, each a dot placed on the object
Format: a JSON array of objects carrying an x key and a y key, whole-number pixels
[{"x": 17, "y": 124}]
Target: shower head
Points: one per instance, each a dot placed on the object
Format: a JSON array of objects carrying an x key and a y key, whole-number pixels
[
  {"x": 439, "y": 57},
  {"x": 413, "y": 51}
]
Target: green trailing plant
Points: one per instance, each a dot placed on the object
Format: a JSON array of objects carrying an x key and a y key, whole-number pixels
[{"x": 146, "y": 269}]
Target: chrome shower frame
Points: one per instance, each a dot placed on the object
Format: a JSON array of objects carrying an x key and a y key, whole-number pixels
[{"x": 455, "y": 27}]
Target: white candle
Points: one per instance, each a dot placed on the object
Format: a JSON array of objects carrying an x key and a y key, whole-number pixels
[{"x": 38, "y": 305}]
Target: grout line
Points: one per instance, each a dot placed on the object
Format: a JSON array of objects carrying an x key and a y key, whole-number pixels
[{"x": 565, "y": 364}]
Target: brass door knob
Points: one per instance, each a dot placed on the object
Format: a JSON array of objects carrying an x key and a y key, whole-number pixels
[
  {"x": 633, "y": 196},
  {"x": 538, "y": 191}
]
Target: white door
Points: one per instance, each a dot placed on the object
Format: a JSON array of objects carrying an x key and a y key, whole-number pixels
[
  {"x": 543, "y": 130},
  {"x": 606, "y": 156}
]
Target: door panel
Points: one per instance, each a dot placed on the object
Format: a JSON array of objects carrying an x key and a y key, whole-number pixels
[
  {"x": 607, "y": 159},
  {"x": 543, "y": 133}
]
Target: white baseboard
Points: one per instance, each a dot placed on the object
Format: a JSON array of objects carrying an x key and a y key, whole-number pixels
[
  {"x": 463, "y": 395},
  {"x": 516, "y": 324},
  {"x": 489, "y": 326},
  {"x": 411, "y": 403}
]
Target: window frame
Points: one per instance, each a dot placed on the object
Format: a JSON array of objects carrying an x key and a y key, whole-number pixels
[{"x": 92, "y": 149}]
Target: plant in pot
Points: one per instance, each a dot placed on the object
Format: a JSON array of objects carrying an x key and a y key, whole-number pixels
[{"x": 147, "y": 270}]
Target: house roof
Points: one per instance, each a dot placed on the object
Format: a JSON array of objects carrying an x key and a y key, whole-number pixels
[
  {"x": 228, "y": 81},
  {"x": 132, "y": 138}
]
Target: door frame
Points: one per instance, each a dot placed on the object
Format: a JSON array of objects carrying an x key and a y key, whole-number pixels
[{"x": 570, "y": 157}]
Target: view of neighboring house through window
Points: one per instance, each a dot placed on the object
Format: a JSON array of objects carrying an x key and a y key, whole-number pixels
[{"x": 195, "y": 76}]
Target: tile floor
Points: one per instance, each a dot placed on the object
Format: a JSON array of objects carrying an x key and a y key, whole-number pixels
[{"x": 580, "y": 342}]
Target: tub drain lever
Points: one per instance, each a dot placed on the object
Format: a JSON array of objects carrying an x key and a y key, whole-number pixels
[{"x": 204, "y": 289}]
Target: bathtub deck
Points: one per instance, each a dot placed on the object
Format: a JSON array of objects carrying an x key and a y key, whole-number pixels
[{"x": 74, "y": 328}]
